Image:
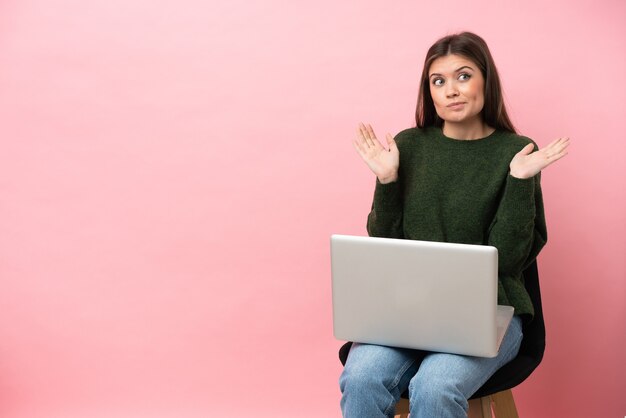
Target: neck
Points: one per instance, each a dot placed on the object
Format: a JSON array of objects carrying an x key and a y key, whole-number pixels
[{"x": 469, "y": 130}]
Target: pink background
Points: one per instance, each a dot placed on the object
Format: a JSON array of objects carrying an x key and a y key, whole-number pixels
[{"x": 170, "y": 173}]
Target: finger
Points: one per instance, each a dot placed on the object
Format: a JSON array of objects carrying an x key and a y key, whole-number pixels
[
  {"x": 527, "y": 149},
  {"x": 564, "y": 142},
  {"x": 370, "y": 131},
  {"x": 391, "y": 142},
  {"x": 559, "y": 150},
  {"x": 558, "y": 147},
  {"x": 374, "y": 142},
  {"x": 557, "y": 142},
  {"x": 360, "y": 130},
  {"x": 357, "y": 146},
  {"x": 366, "y": 136},
  {"x": 556, "y": 157},
  {"x": 362, "y": 136},
  {"x": 363, "y": 129},
  {"x": 561, "y": 146},
  {"x": 372, "y": 136}
]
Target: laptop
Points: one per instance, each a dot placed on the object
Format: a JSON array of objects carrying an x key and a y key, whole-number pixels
[{"x": 423, "y": 295}]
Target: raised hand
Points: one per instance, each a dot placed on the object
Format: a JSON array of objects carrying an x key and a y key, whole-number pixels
[
  {"x": 526, "y": 164},
  {"x": 383, "y": 162}
]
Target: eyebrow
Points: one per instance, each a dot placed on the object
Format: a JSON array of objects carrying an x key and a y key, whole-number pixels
[{"x": 456, "y": 71}]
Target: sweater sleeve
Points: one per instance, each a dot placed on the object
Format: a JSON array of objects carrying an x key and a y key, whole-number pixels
[
  {"x": 385, "y": 218},
  {"x": 518, "y": 230}
]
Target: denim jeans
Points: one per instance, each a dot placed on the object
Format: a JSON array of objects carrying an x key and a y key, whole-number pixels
[{"x": 375, "y": 376}]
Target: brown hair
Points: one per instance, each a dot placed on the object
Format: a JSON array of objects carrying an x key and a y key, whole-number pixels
[{"x": 472, "y": 47}]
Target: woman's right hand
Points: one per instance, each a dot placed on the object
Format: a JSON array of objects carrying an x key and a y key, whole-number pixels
[{"x": 384, "y": 163}]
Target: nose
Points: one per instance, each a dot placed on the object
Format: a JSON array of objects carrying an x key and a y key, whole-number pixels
[{"x": 451, "y": 89}]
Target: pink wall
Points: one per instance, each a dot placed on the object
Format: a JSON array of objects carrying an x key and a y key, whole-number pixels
[{"x": 170, "y": 173}]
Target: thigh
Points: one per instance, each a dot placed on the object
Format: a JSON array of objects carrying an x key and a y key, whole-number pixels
[
  {"x": 468, "y": 373},
  {"x": 394, "y": 367}
]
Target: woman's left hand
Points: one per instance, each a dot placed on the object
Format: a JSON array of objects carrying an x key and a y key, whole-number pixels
[{"x": 526, "y": 163}]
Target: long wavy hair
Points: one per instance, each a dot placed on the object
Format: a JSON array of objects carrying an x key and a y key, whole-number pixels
[{"x": 474, "y": 48}]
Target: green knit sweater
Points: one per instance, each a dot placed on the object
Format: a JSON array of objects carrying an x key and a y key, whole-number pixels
[{"x": 451, "y": 190}]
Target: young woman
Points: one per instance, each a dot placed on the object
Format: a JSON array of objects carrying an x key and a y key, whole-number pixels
[{"x": 462, "y": 175}]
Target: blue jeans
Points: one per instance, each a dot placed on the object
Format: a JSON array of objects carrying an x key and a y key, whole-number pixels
[{"x": 375, "y": 376}]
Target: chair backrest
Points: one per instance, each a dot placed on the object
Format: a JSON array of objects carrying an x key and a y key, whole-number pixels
[{"x": 531, "y": 350}]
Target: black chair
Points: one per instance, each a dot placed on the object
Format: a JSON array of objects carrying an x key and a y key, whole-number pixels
[{"x": 497, "y": 389}]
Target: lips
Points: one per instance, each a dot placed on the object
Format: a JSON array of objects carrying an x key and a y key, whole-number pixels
[{"x": 456, "y": 105}]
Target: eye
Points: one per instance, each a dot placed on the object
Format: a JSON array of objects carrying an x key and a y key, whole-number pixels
[
  {"x": 464, "y": 76},
  {"x": 438, "y": 81}
]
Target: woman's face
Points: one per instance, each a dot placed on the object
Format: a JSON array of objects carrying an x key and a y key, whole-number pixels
[{"x": 457, "y": 88}]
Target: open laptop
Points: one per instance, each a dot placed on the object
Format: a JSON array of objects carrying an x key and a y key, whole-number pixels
[{"x": 417, "y": 294}]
